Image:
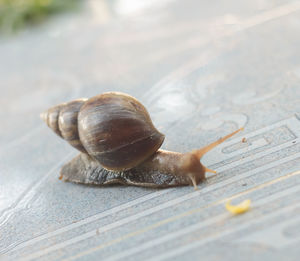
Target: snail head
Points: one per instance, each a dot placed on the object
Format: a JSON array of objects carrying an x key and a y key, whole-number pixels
[{"x": 193, "y": 166}]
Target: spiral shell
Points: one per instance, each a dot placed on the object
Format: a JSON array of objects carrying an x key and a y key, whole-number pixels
[
  {"x": 62, "y": 119},
  {"x": 114, "y": 128}
]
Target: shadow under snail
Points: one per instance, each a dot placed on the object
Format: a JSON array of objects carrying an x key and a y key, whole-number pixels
[{"x": 119, "y": 144}]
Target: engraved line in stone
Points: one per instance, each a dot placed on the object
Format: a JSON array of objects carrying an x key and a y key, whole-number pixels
[
  {"x": 23, "y": 201},
  {"x": 157, "y": 208},
  {"x": 183, "y": 249},
  {"x": 93, "y": 218},
  {"x": 187, "y": 230},
  {"x": 258, "y": 203},
  {"x": 155, "y": 194}
]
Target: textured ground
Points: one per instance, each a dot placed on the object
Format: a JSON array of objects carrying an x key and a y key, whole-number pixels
[{"x": 202, "y": 69}]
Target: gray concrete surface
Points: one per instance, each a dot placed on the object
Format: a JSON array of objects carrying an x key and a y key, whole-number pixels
[{"x": 202, "y": 69}]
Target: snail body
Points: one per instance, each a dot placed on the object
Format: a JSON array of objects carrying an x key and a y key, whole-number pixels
[{"x": 119, "y": 144}]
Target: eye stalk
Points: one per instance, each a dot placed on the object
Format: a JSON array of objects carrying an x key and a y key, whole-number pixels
[
  {"x": 191, "y": 161},
  {"x": 199, "y": 153}
]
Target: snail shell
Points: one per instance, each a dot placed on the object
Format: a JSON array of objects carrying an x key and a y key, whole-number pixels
[
  {"x": 113, "y": 128},
  {"x": 63, "y": 120},
  {"x": 119, "y": 144}
]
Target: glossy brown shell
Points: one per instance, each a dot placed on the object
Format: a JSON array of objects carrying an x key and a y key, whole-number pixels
[{"x": 116, "y": 129}]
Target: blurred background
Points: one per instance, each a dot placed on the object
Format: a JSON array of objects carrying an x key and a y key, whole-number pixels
[{"x": 202, "y": 69}]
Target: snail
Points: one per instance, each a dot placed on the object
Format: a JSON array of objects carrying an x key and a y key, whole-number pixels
[{"x": 119, "y": 144}]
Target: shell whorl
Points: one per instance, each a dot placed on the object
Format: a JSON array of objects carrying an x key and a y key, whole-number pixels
[
  {"x": 62, "y": 119},
  {"x": 113, "y": 128},
  {"x": 116, "y": 129}
]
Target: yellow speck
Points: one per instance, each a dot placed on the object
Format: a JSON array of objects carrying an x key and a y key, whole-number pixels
[{"x": 240, "y": 208}]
